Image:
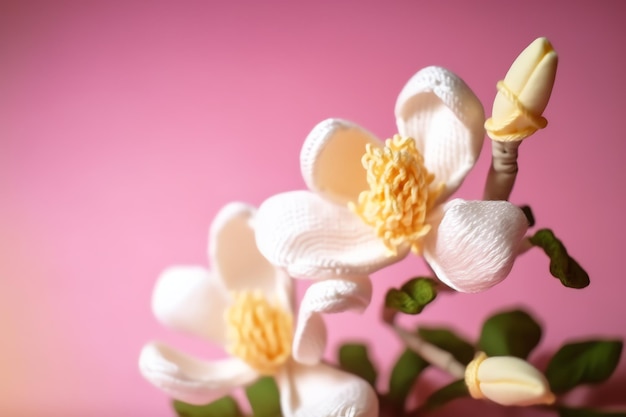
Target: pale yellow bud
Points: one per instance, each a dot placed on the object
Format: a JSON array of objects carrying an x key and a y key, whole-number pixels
[
  {"x": 507, "y": 380},
  {"x": 524, "y": 94}
]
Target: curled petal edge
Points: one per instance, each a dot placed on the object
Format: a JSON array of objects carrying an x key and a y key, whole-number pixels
[{"x": 326, "y": 297}]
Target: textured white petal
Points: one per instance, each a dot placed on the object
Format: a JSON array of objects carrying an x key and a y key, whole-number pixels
[
  {"x": 330, "y": 159},
  {"x": 475, "y": 245},
  {"x": 323, "y": 391},
  {"x": 190, "y": 299},
  {"x": 314, "y": 238},
  {"x": 189, "y": 379},
  {"x": 328, "y": 296},
  {"x": 446, "y": 119},
  {"x": 234, "y": 254}
]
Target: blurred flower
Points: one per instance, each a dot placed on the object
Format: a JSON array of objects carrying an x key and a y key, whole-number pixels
[
  {"x": 355, "y": 221},
  {"x": 523, "y": 95},
  {"x": 244, "y": 305},
  {"x": 507, "y": 380}
]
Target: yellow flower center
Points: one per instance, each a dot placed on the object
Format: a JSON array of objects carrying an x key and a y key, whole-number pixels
[
  {"x": 400, "y": 194},
  {"x": 260, "y": 332}
]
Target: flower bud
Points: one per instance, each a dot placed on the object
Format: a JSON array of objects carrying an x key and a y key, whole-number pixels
[
  {"x": 507, "y": 380},
  {"x": 523, "y": 95}
]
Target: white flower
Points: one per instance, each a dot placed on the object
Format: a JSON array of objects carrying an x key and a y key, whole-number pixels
[
  {"x": 364, "y": 212},
  {"x": 507, "y": 380},
  {"x": 244, "y": 305}
]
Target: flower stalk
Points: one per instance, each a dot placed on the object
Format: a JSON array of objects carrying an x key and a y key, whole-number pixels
[
  {"x": 437, "y": 357},
  {"x": 503, "y": 170},
  {"x": 430, "y": 353}
]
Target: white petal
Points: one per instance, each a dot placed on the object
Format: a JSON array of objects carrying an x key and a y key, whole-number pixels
[
  {"x": 475, "y": 245},
  {"x": 310, "y": 337},
  {"x": 446, "y": 119},
  {"x": 330, "y": 159},
  {"x": 328, "y": 296},
  {"x": 314, "y": 238},
  {"x": 190, "y": 299},
  {"x": 323, "y": 391},
  {"x": 234, "y": 254},
  {"x": 189, "y": 379}
]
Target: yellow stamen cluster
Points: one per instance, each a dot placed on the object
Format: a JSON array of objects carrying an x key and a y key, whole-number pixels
[
  {"x": 400, "y": 193},
  {"x": 260, "y": 333}
]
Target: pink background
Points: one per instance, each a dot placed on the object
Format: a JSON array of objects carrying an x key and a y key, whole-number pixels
[{"x": 125, "y": 126}]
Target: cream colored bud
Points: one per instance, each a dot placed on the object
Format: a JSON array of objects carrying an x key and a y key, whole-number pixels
[
  {"x": 507, "y": 380},
  {"x": 524, "y": 94}
]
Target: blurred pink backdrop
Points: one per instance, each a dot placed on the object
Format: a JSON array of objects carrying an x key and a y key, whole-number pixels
[{"x": 125, "y": 126}]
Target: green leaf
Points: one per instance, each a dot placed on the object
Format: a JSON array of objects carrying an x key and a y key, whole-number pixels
[
  {"x": 562, "y": 266},
  {"x": 588, "y": 362},
  {"x": 442, "y": 396},
  {"x": 447, "y": 340},
  {"x": 403, "y": 375},
  {"x": 223, "y": 407},
  {"x": 355, "y": 359},
  {"x": 413, "y": 296},
  {"x": 512, "y": 333},
  {"x": 588, "y": 412},
  {"x": 264, "y": 398}
]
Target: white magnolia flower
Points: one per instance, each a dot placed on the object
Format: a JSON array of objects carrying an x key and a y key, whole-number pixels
[
  {"x": 370, "y": 202},
  {"x": 244, "y": 305}
]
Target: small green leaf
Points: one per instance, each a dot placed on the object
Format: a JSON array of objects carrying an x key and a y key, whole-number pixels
[
  {"x": 512, "y": 333},
  {"x": 403, "y": 375},
  {"x": 588, "y": 412},
  {"x": 354, "y": 358},
  {"x": 562, "y": 266},
  {"x": 413, "y": 296},
  {"x": 223, "y": 407},
  {"x": 587, "y": 362},
  {"x": 401, "y": 301},
  {"x": 442, "y": 396},
  {"x": 264, "y": 398},
  {"x": 447, "y": 340}
]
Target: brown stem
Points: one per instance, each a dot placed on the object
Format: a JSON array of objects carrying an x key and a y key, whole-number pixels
[
  {"x": 503, "y": 170},
  {"x": 389, "y": 315}
]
